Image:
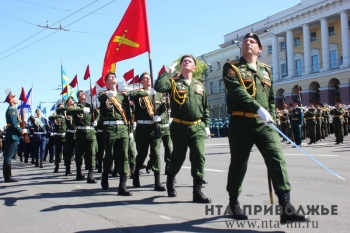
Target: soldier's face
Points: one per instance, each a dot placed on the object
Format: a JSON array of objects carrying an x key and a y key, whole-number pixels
[
  {"x": 250, "y": 47},
  {"x": 13, "y": 100},
  {"x": 70, "y": 102},
  {"x": 38, "y": 112},
  {"x": 82, "y": 97},
  {"x": 188, "y": 64},
  {"x": 111, "y": 80},
  {"x": 146, "y": 80}
]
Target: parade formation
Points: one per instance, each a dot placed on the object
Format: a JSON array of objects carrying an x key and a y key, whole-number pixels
[{"x": 122, "y": 133}]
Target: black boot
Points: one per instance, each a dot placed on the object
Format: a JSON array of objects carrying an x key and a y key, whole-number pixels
[
  {"x": 79, "y": 174},
  {"x": 123, "y": 190},
  {"x": 136, "y": 178},
  {"x": 157, "y": 185},
  {"x": 8, "y": 174},
  {"x": 104, "y": 181},
  {"x": 51, "y": 159},
  {"x": 90, "y": 178},
  {"x": 32, "y": 162},
  {"x": 41, "y": 163},
  {"x": 198, "y": 196},
  {"x": 57, "y": 166},
  {"x": 170, "y": 184},
  {"x": 132, "y": 170},
  {"x": 237, "y": 212},
  {"x": 288, "y": 210},
  {"x": 167, "y": 164},
  {"x": 68, "y": 172},
  {"x": 149, "y": 166},
  {"x": 25, "y": 159},
  {"x": 36, "y": 162}
]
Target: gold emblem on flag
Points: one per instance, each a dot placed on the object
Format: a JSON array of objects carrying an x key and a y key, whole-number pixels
[{"x": 123, "y": 40}]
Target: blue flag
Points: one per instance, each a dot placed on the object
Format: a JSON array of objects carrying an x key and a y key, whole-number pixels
[{"x": 44, "y": 110}]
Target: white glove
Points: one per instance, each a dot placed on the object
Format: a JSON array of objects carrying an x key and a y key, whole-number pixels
[
  {"x": 110, "y": 93},
  {"x": 86, "y": 110},
  {"x": 264, "y": 116},
  {"x": 24, "y": 131},
  {"x": 63, "y": 117},
  {"x": 157, "y": 118},
  {"x": 94, "y": 124},
  {"x": 151, "y": 91},
  {"x": 207, "y": 131},
  {"x": 131, "y": 136},
  {"x": 300, "y": 126},
  {"x": 135, "y": 124},
  {"x": 51, "y": 134}
]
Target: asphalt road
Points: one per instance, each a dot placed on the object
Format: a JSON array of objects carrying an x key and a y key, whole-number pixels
[{"x": 47, "y": 202}]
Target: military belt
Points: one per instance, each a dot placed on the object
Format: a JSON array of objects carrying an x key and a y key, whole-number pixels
[
  {"x": 116, "y": 122},
  {"x": 284, "y": 120},
  {"x": 338, "y": 116},
  {"x": 85, "y": 127},
  {"x": 317, "y": 117},
  {"x": 59, "y": 134},
  {"x": 71, "y": 131},
  {"x": 244, "y": 114},
  {"x": 295, "y": 119},
  {"x": 163, "y": 126},
  {"x": 145, "y": 122},
  {"x": 39, "y": 133},
  {"x": 8, "y": 124},
  {"x": 186, "y": 122},
  {"x": 100, "y": 131},
  {"x": 310, "y": 118}
]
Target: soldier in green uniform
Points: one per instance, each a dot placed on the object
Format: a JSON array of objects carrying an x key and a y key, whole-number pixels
[
  {"x": 319, "y": 117},
  {"x": 85, "y": 117},
  {"x": 132, "y": 145},
  {"x": 311, "y": 122},
  {"x": 70, "y": 135},
  {"x": 13, "y": 132},
  {"x": 100, "y": 145},
  {"x": 147, "y": 135},
  {"x": 284, "y": 119},
  {"x": 116, "y": 117},
  {"x": 60, "y": 135},
  {"x": 338, "y": 120},
  {"x": 190, "y": 125},
  {"x": 250, "y": 99}
]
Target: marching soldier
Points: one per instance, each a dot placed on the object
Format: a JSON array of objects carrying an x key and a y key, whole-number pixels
[
  {"x": 41, "y": 132},
  {"x": 284, "y": 119},
  {"x": 85, "y": 118},
  {"x": 59, "y": 135},
  {"x": 226, "y": 125},
  {"x": 100, "y": 145},
  {"x": 132, "y": 146},
  {"x": 290, "y": 130},
  {"x": 190, "y": 125},
  {"x": 147, "y": 134},
  {"x": 346, "y": 119},
  {"x": 116, "y": 117},
  {"x": 319, "y": 117},
  {"x": 250, "y": 101},
  {"x": 311, "y": 122},
  {"x": 13, "y": 133},
  {"x": 338, "y": 120},
  {"x": 297, "y": 121}
]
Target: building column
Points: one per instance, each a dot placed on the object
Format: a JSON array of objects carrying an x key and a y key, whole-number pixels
[
  {"x": 275, "y": 59},
  {"x": 307, "y": 50},
  {"x": 327, "y": 95},
  {"x": 325, "y": 45},
  {"x": 290, "y": 54},
  {"x": 344, "y": 93},
  {"x": 345, "y": 39}
]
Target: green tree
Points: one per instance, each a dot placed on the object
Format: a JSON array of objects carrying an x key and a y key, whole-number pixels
[{"x": 201, "y": 72}]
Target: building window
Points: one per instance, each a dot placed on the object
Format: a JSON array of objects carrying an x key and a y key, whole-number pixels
[
  {"x": 269, "y": 49},
  {"x": 313, "y": 36},
  {"x": 218, "y": 63},
  {"x": 220, "y": 85},
  {"x": 297, "y": 41},
  {"x": 315, "y": 63},
  {"x": 331, "y": 31},
  {"x": 298, "y": 67},
  {"x": 334, "y": 59},
  {"x": 282, "y": 45},
  {"x": 210, "y": 68},
  {"x": 284, "y": 70},
  {"x": 211, "y": 87}
]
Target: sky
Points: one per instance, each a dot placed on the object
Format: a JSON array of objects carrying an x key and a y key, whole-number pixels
[{"x": 31, "y": 56}]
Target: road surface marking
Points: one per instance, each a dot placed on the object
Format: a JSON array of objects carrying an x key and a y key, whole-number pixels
[{"x": 211, "y": 170}]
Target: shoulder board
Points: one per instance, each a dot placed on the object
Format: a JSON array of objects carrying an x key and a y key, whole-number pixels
[
  {"x": 175, "y": 77},
  {"x": 234, "y": 62},
  {"x": 266, "y": 65},
  {"x": 139, "y": 89},
  {"x": 123, "y": 93}
]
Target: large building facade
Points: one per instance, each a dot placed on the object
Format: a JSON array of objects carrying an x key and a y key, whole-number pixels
[{"x": 307, "y": 47}]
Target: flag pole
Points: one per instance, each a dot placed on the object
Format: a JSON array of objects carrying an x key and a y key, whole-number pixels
[{"x": 62, "y": 77}]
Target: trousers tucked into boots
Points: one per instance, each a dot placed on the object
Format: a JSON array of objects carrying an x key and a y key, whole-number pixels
[
  {"x": 8, "y": 174},
  {"x": 170, "y": 184},
  {"x": 288, "y": 211},
  {"x": 237, "y": 212},
  {"x": 157, "y": 185},
  {"x": 90, "y": 178},
  {"x": 123, "y": 190}
]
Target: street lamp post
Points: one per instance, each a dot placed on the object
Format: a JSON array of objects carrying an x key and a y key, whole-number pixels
[{"x": 236, "y": 42}]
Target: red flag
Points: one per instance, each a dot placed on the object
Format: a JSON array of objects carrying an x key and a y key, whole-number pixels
[
  {"x": 94, "y": 91},
  {"x": 87, "y": 73},
  {"x": 131, "y": 36},
  {"x": 74, "y": 81},
  {"x": 101, "y": 82},
  {"x": 161, "y": 71},
  {"x": 129, "y": 75},
  {"x": 65, "y": 90},
  {"x": 23, "y": 97},
  {"x": 135, "y": 80}
]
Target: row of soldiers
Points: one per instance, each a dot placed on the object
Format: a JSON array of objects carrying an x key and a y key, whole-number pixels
[
  {"x": 219, "y": 127},
  {"x": 316, "y": 121}
]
